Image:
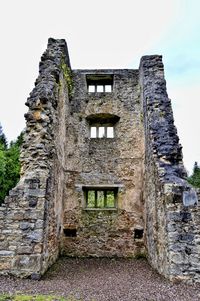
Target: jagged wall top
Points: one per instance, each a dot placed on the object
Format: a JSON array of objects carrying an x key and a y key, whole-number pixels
[
  {"x": 161, "y": 134},
  {"x": 37, "y": 151}
]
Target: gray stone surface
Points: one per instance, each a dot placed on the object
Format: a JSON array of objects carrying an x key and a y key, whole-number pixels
[
  {"x": 172, "y": 212},
  {"x": 29, "y": 220},
  {"x": 190, "y": 198},
  {"x": 143, "y": 162}
]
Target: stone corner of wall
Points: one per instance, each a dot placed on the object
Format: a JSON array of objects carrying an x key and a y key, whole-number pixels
[
  {"x": 29, "y": 244},
  {"x": 151, "y": 57},
  {"x": 59, "y": 45},
  {"x": 180, "y": 191},
  {"x": 149, "y": 60}
]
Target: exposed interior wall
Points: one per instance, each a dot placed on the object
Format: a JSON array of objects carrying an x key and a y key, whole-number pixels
[
  {"x": 171, "y": 206},
  {"x": 30, "y": 218},
  {"x": 101, "y": 162}
]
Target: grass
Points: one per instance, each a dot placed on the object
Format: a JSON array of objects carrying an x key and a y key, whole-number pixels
[{"x": 6, "y": 297}]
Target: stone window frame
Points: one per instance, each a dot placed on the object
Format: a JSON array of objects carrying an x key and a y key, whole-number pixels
[
  {"x": 112, "y": 187},
  {"x": 105, "y": 88},
  {"x": 105, "y": 81},
  {"x": 105, "y": 126},
  {"x": 105, "y": 197},
  {"x": 102, "y": 120}
]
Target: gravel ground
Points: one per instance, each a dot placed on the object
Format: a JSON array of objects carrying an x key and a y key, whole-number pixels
[{"x": 103, "y": 280}]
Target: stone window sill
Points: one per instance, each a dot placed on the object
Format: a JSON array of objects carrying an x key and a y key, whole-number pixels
[{"x": 100, "y": 209}]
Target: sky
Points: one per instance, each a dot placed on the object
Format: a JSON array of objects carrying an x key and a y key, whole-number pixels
[{"x": 104, "y": 34}]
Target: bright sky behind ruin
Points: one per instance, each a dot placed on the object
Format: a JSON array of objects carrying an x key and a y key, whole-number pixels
[{"x": 104, "y": 34}]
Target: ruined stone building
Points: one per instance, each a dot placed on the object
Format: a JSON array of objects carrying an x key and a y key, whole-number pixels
[{"x": 101, "y": 173}]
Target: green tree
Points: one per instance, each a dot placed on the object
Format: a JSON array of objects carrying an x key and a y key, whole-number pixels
[
  {"x": 2, "y": 172},
  {"x": 3, "y": 140},
  {"x": 9, "y": 164},
  {"x": 194, "y": 179}
]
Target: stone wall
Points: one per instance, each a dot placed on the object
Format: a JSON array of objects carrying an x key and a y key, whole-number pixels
[
  {"x": 30, "y": 218},
  {"x": 156, "y": 209},
  {"x": 115, "y": 162},
  {"x": 171, "y": 206}
]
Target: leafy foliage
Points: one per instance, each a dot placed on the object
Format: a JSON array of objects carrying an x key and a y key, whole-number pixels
[
  {"x": 3, "y": 140},
  {"x": 9, "y": 164},
  {"x": 194, "y": 179}
]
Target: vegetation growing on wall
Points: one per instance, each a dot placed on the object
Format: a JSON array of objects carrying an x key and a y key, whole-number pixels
[
  {"x": 67, "y": 76},
  {"x": 194, "y": 179},
  {"x": 9, "y": 164}
]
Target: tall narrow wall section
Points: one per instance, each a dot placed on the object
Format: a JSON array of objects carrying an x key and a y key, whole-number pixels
[
  {"x": 172, "y": 211},
  {"x": 30, "y": 218}
]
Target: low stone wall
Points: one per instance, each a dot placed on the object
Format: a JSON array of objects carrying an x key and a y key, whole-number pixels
[
  {"x": 171, "y": 205},
  {"x": 22, "y": 227},
  {"x": 183, "y": 235},
  {"x": 30, "y": 219}
]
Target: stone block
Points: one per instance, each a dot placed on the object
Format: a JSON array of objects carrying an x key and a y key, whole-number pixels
[
  {"x": 12, "y": 247},
  {"x": 38, "y": 248},
  {"x": 177, "y": 258},
  {"x": 25, "y": 250},
  {"x": 33, "y": 202},
  {"x": 1, "y": 215},
  {"x": 33, "y": 214},
  {"x": 187, "y": 237},
  {"x": 40, "y": 193},
  {"x": 6, "y": 253},
  {"x": 7, "y": 231},
  {"x": 2, "y": 237},
  {"x": 18, "y": 215},
  {"x": 35, "y": 276},
  {"x": 25, "y": 225},
  {"x": 33, "y": 183},
  {"x": 39, "y": 224},
  {"x": 6, "y": 265},
  {"x": 35, "y": 236},
  {"x": 27, "y": 262},
  {"x": 190, "y": 198}
]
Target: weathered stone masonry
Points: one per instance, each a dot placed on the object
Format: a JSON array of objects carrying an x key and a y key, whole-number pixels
[
  {"x": 155, "y": 211},
  {"x": 31, "y": 217},
  {"x": 171, "y": 205}
]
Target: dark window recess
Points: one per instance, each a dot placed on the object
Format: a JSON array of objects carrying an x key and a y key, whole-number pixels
[
  {"x": 102, "y": 125},
  {"x": 70, "y": 232},
  {"x": 138, "y": 233},
  {"x": 100, "y": 198},
  {"x": 99, "y": 83}
]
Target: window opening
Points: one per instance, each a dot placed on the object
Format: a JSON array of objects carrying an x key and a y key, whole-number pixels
[
  {"x": 108, "y": 88},
  {"x": 99, "y": 83},
  {"x": 101, "y": 132},
  {"x": 70, "y": 232},
  {"x": 110, "y": 132},
  {"x": 93, "y": 132},
  {"x": 100, "y": 198},
  {"x": 91, "y": 88},
  {"x": 138, "y": 233},
  {"x": 100, "y": 88}
]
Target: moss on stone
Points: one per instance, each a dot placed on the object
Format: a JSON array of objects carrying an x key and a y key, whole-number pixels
[
  {"x": 67, "y": 74},
  {"x": 140, "y": 255}
]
